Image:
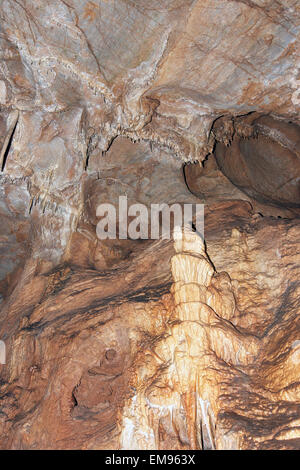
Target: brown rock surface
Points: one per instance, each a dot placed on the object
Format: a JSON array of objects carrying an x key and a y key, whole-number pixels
[{"x": 180, "y": 343}]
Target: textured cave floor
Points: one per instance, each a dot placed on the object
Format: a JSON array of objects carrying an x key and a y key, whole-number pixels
[{"x": 64, "y": 321}]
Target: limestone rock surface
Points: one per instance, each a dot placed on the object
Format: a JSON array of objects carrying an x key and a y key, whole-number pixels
[{"x": 186, "y": 342}]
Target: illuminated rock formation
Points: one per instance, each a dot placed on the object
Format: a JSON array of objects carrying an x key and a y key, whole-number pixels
[{"x": 191, "y": 342}]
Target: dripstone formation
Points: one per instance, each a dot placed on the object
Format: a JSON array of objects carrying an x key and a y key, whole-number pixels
[{"x": 190, "y": 341}]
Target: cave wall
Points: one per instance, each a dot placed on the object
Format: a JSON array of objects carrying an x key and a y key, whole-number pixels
[{"x": 180, "y": 343}]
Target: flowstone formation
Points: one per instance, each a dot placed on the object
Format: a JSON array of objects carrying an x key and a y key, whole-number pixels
[{"x": 190, "y": 341}]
